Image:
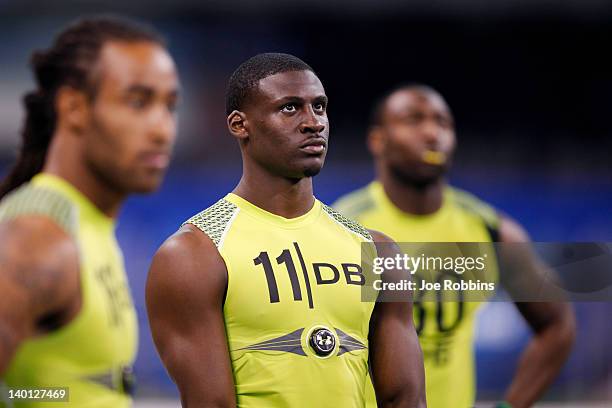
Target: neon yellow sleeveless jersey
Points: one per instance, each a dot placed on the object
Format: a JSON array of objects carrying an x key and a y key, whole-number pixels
[
  {"x": 89, "y": 353},
  {"x": 297, "y": 328},
  {"x": 445, "y": 329}
]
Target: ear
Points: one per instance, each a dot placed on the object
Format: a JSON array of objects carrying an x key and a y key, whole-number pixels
[
  {"x": 237, "y": 125},
  {"x": 72, "y": 107},
  {"x": 376, "y": 141}
]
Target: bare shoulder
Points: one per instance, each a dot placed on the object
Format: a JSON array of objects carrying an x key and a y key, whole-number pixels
[
  {"x": 39, "y": 262},
  {"x": 186, "y": 266},
  {"x": 385, "y": 245},
  {"x": 378, "y": 236},
  {"x": 511, "y": 231}
]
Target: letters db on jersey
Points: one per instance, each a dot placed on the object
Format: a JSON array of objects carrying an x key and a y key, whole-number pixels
[{"x": 290, "y": 264}]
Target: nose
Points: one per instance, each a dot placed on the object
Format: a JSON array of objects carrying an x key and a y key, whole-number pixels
[
  {"x": 431, "y": 133},
  {"x": 312, "y": 122},
  {"x": 163, "y": 126}
]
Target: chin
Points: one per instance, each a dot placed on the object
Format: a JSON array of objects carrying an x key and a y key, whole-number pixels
[
  {"x": 312, "y": 166},
  {"x": 145, "y": 186},
  {"x": 419, "y": 177},
  {"x": 312, "y": 171},
  {"x": 147, "y": 189}
]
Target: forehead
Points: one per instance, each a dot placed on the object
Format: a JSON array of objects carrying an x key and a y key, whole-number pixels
[
  {"x": 410, "y": 100},
  {"x": 303, "y": 84},
  {"x": 146, "y": 63}
]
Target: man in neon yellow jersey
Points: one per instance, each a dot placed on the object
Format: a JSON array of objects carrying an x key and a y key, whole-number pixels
[
  {"x": 412, "y": 139},
  {"x": 100, "y": 126},
  {"x": 256, "y": 301}
]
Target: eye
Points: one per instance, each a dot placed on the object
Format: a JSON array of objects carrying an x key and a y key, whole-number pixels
[
  {"x": 319, "y": 106},
  {"x": 445, "y": 122},
  {"x": 289, "y": 108},
  {"x": 137, "y": 102},
  {"x": 413, "y": 119},
  {"x": 172, "y": 106}
]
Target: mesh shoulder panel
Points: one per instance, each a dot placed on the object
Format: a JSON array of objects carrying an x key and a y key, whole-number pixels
[
  {"x": 214, "y": 220},
  {"x": 347, "y": 223},
  {"x": 31, "y": 200}
]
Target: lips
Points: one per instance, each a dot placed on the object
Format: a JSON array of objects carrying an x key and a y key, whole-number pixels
[
  {"x": 156, "y": 160},
  {"x": 314, "y": 146}
]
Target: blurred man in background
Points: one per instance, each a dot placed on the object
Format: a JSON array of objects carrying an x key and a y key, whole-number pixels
[
  {"x": 99, "y": 126},
  {"x": 256, "y": 301},
  {"x": 412, "y": 140}
]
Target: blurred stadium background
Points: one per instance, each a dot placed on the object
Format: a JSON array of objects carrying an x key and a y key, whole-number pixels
[{"x": 530, "y": 84}]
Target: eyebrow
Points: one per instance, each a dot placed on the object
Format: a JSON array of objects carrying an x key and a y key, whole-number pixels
[
  {"x": 321, "y": 98},
  {"x": 148, "y": 90},
  {"x": 139, "y": 88},
  {"x": 284, "y": 99}
]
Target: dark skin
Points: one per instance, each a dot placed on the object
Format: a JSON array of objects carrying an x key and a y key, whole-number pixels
[
  {"x": 289, "y": 115},
  {"x": 285, "y": 115},
  {"x": 135, "y": 96},
  {"x": 39, "y": 286},
  {"x": 396, "y": 360},
  {"x": 417, "y": 120}
]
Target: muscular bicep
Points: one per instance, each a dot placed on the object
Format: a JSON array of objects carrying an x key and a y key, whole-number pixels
[
  {"x": 527, "y": 277},
  {"x": 184, "y": 295},
  {"x": 523, "y": 274},
  {"x": 39, "y": 281},
  {"x": 16, "y": 321},
  {"x": 396, "y": 360}
]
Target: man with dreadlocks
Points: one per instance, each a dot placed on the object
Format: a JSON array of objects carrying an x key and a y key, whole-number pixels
[{"x": 99, "y": 126}]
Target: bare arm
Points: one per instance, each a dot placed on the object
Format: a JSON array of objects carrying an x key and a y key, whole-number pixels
[
  {"x": 396, "y": 360},
  {"x": 39, "y": 281},
  {"x": 185, "y": 291},
  {"x": 554, "y": 331}
]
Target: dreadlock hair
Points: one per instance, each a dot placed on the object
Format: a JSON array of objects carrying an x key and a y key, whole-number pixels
[{"x": 68, "y": 62}]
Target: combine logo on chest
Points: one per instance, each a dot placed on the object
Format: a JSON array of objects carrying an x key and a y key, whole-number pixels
[{"x": 322, "y": 341}]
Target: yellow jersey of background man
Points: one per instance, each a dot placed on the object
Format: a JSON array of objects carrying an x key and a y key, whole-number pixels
[
  {"x": 445, "y": 329},
  {"x": 92, "y": 354}
]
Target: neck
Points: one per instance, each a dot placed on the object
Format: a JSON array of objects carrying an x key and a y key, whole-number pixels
[
  {"x": 288, "y": 198},
  {"x": 66, "y": 160},
  {"x": 412, "y": 198}
]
